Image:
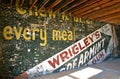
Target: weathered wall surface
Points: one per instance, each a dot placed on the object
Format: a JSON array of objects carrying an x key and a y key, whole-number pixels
[{"x": 21, "y": 48}]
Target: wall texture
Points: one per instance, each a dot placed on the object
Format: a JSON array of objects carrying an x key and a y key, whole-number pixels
[{"x": 19, "y": 52}]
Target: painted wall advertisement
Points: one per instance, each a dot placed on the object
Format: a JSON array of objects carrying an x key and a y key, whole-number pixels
[
  {"x": 33, "y": 45},
  {"x": 92, "y": 49}
]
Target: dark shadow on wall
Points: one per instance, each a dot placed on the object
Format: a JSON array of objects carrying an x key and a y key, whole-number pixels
[{"x": 117, "y": 29}]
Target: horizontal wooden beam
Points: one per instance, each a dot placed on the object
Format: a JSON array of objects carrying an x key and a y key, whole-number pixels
[
  {"x": 43, "y": 4},
  {"x": 74, "y": 4},
  {"x": 108, "y": 17},
  {"x": 32, "y": 5},
  {"x": 53, "y": 4},
  {"x": 62, "y": 4},
  {"x": 83, "y": 5},
  {"x": 90, "y": 7},
  {"x": 104, "y": 11},
  {"x": 115, "y": 21},
  {"x": 105, "y": 5}
]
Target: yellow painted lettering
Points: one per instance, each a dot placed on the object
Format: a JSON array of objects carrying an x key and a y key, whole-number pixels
[
  {"x": 56, "y": 35},
  {"x": 42, "y": 13},
  {"x": 30, "y": 12},
  {"x": 74, "y": 31},
  {"x": 70, "y": 35},
  {"x": 43, "y": 37},
  {"x": 7, "y": 33},
  {"x": 67, "y": 18},
  {"x": 63, "y": 17},
  {"x": 18, "y": 32},
  {"x": 33, "y": 33},
  {"x": 75, "y": 19},
  {"x": 87, "y": 21},
  {"x": 36, "y": 12},
  {"x": 51, "y": 14},
  {"x": 26, "y": 35},
  {"x": 64, "y": 34},
  {"x": 80, "y": 20},
  {"x": 18, "y": 9}
]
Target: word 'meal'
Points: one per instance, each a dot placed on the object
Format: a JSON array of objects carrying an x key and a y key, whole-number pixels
[{"x": 28, "y": 34}]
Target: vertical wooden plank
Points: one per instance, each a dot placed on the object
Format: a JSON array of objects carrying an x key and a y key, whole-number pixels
[
  {"x": 33, "y": 4},
  {"x": 11, "y": 1},
  {"x": 42, "y": 4},
  {"x": 22, "y": 2},
  {"x": 53, "y": 4}
]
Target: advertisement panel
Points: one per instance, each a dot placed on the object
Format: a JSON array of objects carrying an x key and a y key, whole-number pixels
[{"x": 92, "y": 49}]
